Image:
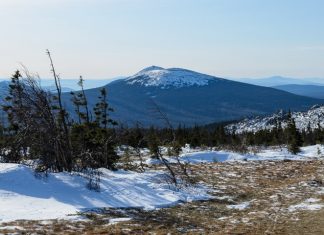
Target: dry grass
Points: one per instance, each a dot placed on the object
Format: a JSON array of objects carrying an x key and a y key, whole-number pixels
[{"x": 270, "y": 188}]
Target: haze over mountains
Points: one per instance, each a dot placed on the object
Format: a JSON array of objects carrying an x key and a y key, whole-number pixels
[
  {"x": 280, "y": 80},
  {"x": 311, "y": 87},
  {"x": 72, "y": 84}
]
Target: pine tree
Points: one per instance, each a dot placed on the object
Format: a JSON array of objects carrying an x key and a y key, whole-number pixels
[
  {"x": 102, "y": 110},
  {"x": 80, "y": 102},
  {"x": 94, "y": 141},
  {"x": 195, "y": 137},
  {"x": 293, "y": 136},
  {"x": 153, "y": 142}
]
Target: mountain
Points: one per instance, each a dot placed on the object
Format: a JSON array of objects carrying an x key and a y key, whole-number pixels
[
  {"x": 189, "y": 98},
  {"x": 186, "y": 97},
  {"x": 72, "y": 84},
  {"x": 279, "y": 80},
  {"x": 4, "y": 90},
  {"x": 314, "y": 91},
  {"x": 53, "y": 88},
  {"x": 312, "y": 117}
]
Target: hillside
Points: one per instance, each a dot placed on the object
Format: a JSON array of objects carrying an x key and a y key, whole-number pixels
[
  {"x": 311, "y": 118},
  {"x": 190, "y": 98},
  {"x": 315, "y": 91},
  {"x": 187, "y": 97}
]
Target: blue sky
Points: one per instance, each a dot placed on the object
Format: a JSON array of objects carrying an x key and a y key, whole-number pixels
[{"x": 107, "y": 38}]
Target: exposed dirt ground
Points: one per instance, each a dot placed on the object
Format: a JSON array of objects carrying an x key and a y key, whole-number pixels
[{"x": 264, "y": 197}]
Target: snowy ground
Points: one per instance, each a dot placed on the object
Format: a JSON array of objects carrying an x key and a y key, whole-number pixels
[
  {"x": 62, "y": 195},
  {"x": 273, "y": 153},
  {"x": 24, "y": 196},
  {"x": 249, "y": 197}
]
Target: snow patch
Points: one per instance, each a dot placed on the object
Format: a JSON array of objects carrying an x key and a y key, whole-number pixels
[
  {"x": 309, "y": 204},
  {"x": 116, "y": 220},
  {"x": 11, "y": 228},
  {"x": 241, "y": 206}
]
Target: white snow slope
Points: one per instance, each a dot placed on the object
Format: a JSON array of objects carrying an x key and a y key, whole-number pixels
[
  {"x": 174, "y": 77},
  {"x": 23, "y": 196},
  {"x": 312, "y": 117}
]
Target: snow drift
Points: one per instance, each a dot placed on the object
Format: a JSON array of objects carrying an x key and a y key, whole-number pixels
[{"x": 24, "y": 196}]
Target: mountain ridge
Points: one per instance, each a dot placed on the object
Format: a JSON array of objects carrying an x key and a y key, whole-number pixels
[
  {"x": 314, "y": 91},
  {"x": 280, "y": 80},
  {"x": 190, "y": 98}
]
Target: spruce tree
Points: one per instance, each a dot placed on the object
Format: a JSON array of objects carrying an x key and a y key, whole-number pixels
[
  {"x": 80, "y": 102},
  {"x": 102, "y": 110},
  {"x": 293, "y": 136},
  {"x": 153, "y": 142}
]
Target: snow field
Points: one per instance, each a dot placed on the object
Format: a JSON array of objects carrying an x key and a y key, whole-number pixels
[{"x": 62, "y": 195}]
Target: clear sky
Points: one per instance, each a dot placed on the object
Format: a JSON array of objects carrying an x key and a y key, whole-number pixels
[{"x": 107, "y": 38}]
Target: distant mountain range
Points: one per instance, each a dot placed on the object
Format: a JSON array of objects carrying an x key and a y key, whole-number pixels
[
  {"x": 72, "y": 84},
  {"x": 4, "y": 88},
  {"x": 190, "y": 98}
]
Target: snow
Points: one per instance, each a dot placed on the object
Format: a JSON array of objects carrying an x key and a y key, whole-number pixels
[
  {"x": 174, "y": 77},
  {"x": 312, "y": 118},
  {"x": 24, "y": 196},
  {"x": 62, "y": 195},
  {"x": 273, "y": 154},
  {"x": 116, "y": 220},
  {"x": 283, "y": 154},
  {"x": 12, "y": 228},
  {"x": 213, "y": 156},
  {"x": 309, "y": 204},
  {"x": 241, "y": 206}
]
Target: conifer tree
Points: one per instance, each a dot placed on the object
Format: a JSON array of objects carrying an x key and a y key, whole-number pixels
[
  {"x": 293, "y": 136},
  {"x": 80, "y": 102},
  {"x": 153, "y": 142},
  {"x": 102, "y": 110}
]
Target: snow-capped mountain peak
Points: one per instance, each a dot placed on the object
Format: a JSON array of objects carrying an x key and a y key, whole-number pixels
[
  {"x": 173, "y": 77},
  {"x": 150, "y": 68}
]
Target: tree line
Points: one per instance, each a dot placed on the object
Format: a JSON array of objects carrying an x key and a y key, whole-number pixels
[{"x": 217, "y": 135}]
